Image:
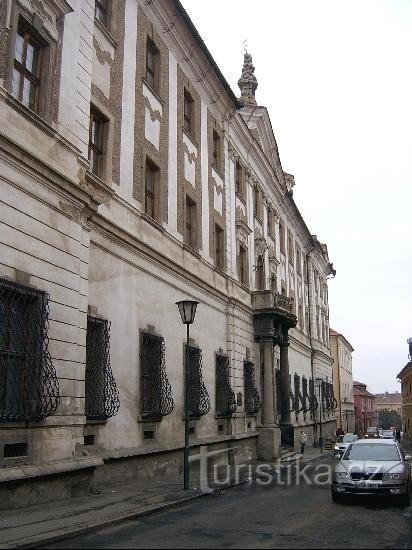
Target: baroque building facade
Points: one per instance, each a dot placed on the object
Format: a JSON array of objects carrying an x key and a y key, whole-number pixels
[
  {"x": 342, "y": 351},
  {"x": 133, "y": 177}
]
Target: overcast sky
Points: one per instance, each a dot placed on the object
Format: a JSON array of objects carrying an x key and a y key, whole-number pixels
[{"x": 336, "y": 77}]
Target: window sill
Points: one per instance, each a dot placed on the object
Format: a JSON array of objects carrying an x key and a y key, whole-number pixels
[
  {"x": 191, "y": 250},
  {"x": 40, "y": 122},
  {"x": 218, "y": 170},
  {"x": 104, "y": 30},
  {"x": 153, "y": 222},
  {"x": 189, "y": 136},
  {"x": 154, "y": 92},
  {"x": 240, "y": 197}
]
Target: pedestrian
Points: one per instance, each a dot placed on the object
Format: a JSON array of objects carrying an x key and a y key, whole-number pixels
[
  {"x": 339, "y": 432},
  {"x": 303, "y": 437},
  {"x": 398, "y": 434}
]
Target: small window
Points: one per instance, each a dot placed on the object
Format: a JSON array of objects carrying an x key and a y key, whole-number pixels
[
  {"x": 152, "y": 65},
  {"x": 89, "y": 440},
  {"x": 282, "y": 237},
  {"x": 216, "y": 150},
  {"x": 242, "y": 265},
  {"x": 219, "y": 247},
  {"x": 151, "y": 186},
  {"x": 188, "y": 113},
  {"x": 239, "y": 178},
  {"x": 190, "y": 222},
  {"x": 15, "y": 450},
  {"x": 26, "y": 81},
  {"x": 97, "y": 134},
  {"x": 101, "y": 12}
]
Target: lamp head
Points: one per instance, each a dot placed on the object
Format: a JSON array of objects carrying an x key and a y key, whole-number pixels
[{"x": 187, "y": 310}]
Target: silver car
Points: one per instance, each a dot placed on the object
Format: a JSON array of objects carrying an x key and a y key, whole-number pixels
[
  {"x": 373, "y": 467},
  {"x": 343, "y": 443}
]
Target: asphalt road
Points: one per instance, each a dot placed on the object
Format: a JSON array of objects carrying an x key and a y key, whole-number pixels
[{"x": 297, "y": 515}]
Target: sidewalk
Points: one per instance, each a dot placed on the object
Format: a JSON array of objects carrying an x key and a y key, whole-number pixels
[{"x": 46, "y": 524}]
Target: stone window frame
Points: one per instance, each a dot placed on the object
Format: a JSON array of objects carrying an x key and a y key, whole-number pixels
[
  {"x": 21, "y": 16},
  {"x": 102, "y": 7},
  {"x": 298, "y": 255},
  {"x": 217, "y": 146},
  {"x": 153, "y": 74},
  {"x": 155, "y": 171},
  {"x": 239, "y": 179},
  {"x": 260, "y": 280},
  {"x": 188, "y": 112},
  {"x": 291, "y": 254},
  {"x": 109, "y": 25},
  {"x": 105, "y": 170},
  {"x": 219, "y": 248},
  {"x": 257, "y": 202},
  {"x": 242, "y": 264},
  {"x": 282, "y": 236},
  {"x": 190, "y": 236}
]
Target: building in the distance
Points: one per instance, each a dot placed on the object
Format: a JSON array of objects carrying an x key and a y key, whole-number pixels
[
  {"x": 389, "y": 401},
  {"x": 365, "y": 410},
  {"x": 405, "y": 377},
  {"x": 341, "y": 351}
]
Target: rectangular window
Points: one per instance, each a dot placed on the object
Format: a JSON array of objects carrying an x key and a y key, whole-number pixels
[
  {"x": 29, "y": 389},
  {"x": 274, "y": 282},
  {"x": 190, "y": 238},
  {"x": 256, "y": 201},
  {"x": 101, "y": 392},
  {"x": 97, "y": 131},
  {"x": 298, "y": 261},
  {"x": 151, "y": 185},
  {"x": 300, "y": 315},
  {"x": 199, "y": 400},
  {"x": 305, "y": 270},
  {"x": 188, "y": 113},
  {"x": 156, "y": 393},
  {"x": 239, "y": 178},
  {"x": 282, "y": 237},
  {"x": 290, "y": 248},
  {"x": 152, "y": 65},
  {"x": 216, "y": 150},
  {"x": 225, "y": 397},
  {"x": 219, "y": 247},
  {"x": 28, "y": 53},
  {"x": 242, "y": 266},
  {"x": 101, "y": 11}
]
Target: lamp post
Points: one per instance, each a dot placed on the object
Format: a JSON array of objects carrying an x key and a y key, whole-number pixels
[
  {"x": 319, "y": 381},
  {"x": 187, "y": 310}
]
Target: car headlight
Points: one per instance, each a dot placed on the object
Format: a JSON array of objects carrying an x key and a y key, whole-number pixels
[
  {"x": 336, "y": 448},
  {"x": 341, "y": 475},
  {"x": 393, "y": 476}
]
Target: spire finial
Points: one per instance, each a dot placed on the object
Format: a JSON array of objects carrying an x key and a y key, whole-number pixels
[{"x": 247, "y": 82}]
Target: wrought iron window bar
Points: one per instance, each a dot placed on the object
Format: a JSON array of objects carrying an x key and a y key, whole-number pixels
[
  {"x": 297, "y": 394},
  {"x": 199, "y": 400},
  {"x": 305, "y": 397},
  {"x": 253, "y": 401},
  {"x": 156, "y": 392},
  {"x": 313, "y": 400},
  {"x": 29, "y": 388},
  {"x": 101, "y": 391},
  {"x": 225, "y": 396}
]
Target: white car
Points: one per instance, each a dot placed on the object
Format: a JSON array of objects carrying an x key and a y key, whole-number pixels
[{"x": 342, "y": 445}]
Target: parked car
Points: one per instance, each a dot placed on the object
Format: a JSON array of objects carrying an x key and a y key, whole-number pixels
[
  {"x": 388, "y": 434},
  {"x": 343, "y": 443},
  {"x": 373, "y": 467},
  {"x": 372, "y": 431}
]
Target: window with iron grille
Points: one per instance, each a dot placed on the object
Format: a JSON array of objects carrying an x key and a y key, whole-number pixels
[
  {"x": 305, "y": 400},
  {"x": 29, "y": 389},
  {"x": 225, "y": 396},
  {"x": 101, "y": 392},
  {"x": 199, "y": 401},
  {"x": 156, "y": 393},
  {"x": 297, "y": 395},
  {"x": 253, "y": 402},
  {"x": 312, "y": 396}
]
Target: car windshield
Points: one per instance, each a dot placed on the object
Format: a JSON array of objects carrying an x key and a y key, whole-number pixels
[
  {"x": 349, "y": 438},
  {"x": 372, "y": 451}
]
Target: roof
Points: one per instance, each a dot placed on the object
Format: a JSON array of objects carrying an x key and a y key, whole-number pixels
[
  {"x": 206, "y": 52},
  {"x": 389, "y": 397},
  {"x": 405, "y": 369},
  {"x": 339, "y": 334}
]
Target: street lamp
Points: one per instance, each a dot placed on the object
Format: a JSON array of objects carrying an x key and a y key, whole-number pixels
[
  {"x": 319, "y": 382},
  {"x": 187, "y": 309}
]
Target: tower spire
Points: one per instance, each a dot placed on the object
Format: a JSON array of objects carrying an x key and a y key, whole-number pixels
[{"x": 248, "y": 82}]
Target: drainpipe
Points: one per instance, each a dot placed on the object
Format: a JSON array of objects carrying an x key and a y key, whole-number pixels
[{"x": 312, "y": 351}]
